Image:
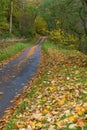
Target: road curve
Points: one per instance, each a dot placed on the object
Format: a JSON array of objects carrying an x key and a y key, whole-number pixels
[{"x": 17, "y": 73}]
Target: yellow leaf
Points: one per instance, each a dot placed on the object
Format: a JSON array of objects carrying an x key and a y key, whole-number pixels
[
  {"x": 48, "y": 107},
  {"x": 80, "y": 110},
  {"x": 72, "y": 118},
  {"x": 62, "y": 101},
  {"x": 20, "y": 124},
  {"x": 39, "y": 124},
  {"x": 32, "y": 123},
  {"x": 60, "y": 124},
  {"x": 45, "y": 111},
  {"x": 52, "y": 88}
]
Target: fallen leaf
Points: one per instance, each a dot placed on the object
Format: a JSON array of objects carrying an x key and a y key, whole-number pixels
[
  {"x": 81, "y": 123},
  {"x": 80, "y": 110},
  {"x": 72, "y": 126},
  {"x": 72, "y": 118},
  {"x": 62, "y": 101},
  {"x": 39, "y": 124}
]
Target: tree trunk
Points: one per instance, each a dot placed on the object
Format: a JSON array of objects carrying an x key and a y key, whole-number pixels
[
  {"x": 84, "y": 2},
  {"x": 86, "y": 22},
  {"x": 11, "y": 14}
]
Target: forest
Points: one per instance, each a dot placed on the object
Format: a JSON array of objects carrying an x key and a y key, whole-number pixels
[
  {"x": 43, "y": 64},
  {"x": 63, "y": 21}
]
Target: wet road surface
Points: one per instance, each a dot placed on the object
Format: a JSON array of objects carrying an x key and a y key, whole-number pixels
[{"x": 16, "y": 74}]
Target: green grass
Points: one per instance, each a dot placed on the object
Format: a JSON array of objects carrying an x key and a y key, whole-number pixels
[
  {"x": 52, "y": 45},
  {"x": 12, "y": 50},
  {"x": 47, "y": 45}
]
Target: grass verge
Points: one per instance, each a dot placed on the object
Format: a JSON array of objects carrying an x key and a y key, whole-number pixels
[{"x": 12, "y": 50}]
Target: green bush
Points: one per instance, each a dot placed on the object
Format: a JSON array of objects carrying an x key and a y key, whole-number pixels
[{"x": 83, "y": 45}]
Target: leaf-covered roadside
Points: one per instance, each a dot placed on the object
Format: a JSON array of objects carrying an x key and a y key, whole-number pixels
[{"x": 58, "y": 98}]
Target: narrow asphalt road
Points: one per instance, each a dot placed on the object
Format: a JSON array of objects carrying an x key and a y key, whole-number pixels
[{"x": 15, "y": 75}]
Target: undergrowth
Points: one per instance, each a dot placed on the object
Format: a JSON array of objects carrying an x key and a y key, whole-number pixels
[{"x": 12, "y": 50}]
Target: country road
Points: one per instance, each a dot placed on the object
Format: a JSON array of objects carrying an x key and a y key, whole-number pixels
[{"x": 15, "y": 75}]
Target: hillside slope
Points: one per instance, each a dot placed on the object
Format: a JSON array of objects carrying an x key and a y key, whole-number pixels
[{"x": 57, "y": 99}]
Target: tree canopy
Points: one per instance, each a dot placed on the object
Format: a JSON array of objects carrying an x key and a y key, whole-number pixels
[{"x": 45, "y": 17}]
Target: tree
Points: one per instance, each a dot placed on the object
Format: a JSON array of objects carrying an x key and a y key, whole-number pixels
[
  {"x": 27, "y": 20},
  {"x": 11, "y": 14},
  {"x": 71, "y": 14},
  {"x": 83, "y": 14},
  {"x": 40, "y": 25}
]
